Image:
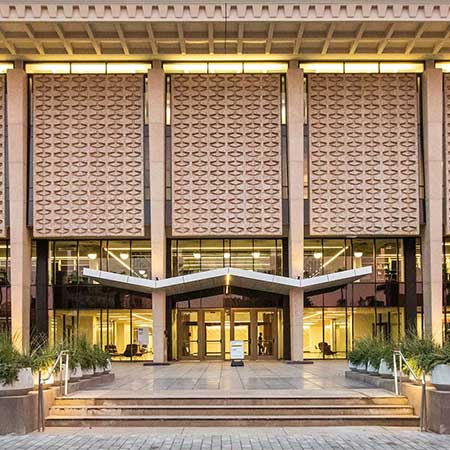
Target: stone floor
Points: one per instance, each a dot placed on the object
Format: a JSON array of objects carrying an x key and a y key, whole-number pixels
[
  {"x": 342, "y": 438},
  {"x": 256, "y": 378}
]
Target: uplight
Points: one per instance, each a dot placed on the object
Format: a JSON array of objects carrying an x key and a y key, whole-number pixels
[
  {"x": 225, "y": 67},
  {"x": 88, "y": 68},
  {"x": 265, "y": 67},
  {"x": 323, "y": 67},
  {"x": 128, "y": 67},
  {"x": 6, "y": 66},
  {"x": 400, "y": 67},
  {"x": 47, "y": 68},
  {"x": 444, "y": 65},
  {"x": 361, "y": 67},
  {"x": 186, "y": 68}
]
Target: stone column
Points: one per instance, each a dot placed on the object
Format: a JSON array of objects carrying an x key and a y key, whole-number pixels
[
  {"x": 156, "y": 124},
  {"x": 20, "y": 241},
  {"x": 295, "y": 99},
  {"x": 432, "y": 234}
]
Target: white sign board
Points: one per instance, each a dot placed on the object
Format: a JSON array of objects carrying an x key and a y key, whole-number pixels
[
  {"x": 143, "y": 336},
  {"x": 237, "y": 350}
]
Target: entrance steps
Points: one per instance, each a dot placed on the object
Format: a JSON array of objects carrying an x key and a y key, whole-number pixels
[{"x": 224, "y": 412}]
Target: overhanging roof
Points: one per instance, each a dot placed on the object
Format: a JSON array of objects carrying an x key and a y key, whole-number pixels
[{"x": 227, "y": 276}]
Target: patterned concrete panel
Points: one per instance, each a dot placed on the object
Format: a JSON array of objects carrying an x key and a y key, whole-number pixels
[
  {"x": 364, "y": 167},
  {"x": 2, "y": 156},
  {"x": 88, "y": 155},
  {"x": 447, "y": 150},
  {"x": 226, "y": 155}
]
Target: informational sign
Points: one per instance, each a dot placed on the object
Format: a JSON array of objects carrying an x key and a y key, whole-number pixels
[
  {"x": 143, "y": 336},
  {"x": 237, "y": 350}
]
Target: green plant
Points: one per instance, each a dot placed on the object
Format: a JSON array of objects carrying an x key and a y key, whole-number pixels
[
  {"x": 422, "y": 353},
  {"x": 85, "y": 354},
  {"x": 11, "y": 360},
  {"x": 360, "y": 353},
  {"x": 42, "y": 356},
  {"x": 101, "y": 358},
  {"x": 444, "y": 354}
]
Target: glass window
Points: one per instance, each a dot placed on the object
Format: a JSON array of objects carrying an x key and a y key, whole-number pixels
[
  {"x": 4, "y": 263},
  {"x": 337, "y": 297},
  {"x": 142, "y": 323},
  {"x": 65, "y": 325},
  {"x": 363, "y": 294},
  {"x": 119, "y": 339},
  {"x": 242, "y": 254},
  {"x": 334, "y": 255},
  {"x": 418, "y": 261},
  {"x": 265, "y": 256},
  {"x": 119, "y": 257},
  {"x": 89, "y": 326},
  {"x": 189, "y": 333},
  {"x": 312, "y": 333},
  {"x": 313, "y": 258},
  {"x": 363, "y": 255},
  {"x": 335, "y": 333},
  {"x": 141, "y": 262},
  {"x": 363, "y": 323},
  {"x": 212, "y": 254},
  {"x": 66, "y": 262},
  {"x": 188, "y": 256},
  {"x": 386, "y": 260},
  {"x": 88, "y": 257}
]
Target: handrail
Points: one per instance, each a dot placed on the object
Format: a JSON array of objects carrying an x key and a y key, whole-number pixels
[
  {"x": 41, "y": 380},
  {"x": 398, "y": 385}
]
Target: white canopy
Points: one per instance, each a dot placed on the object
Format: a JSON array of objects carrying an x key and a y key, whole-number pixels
[{"x": 228, "y": 276}]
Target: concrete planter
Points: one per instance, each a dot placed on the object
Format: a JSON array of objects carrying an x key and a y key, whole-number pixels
[
  {"x": 384, "y": 370},
  {"x": 352, "y": 366},
  {"x": 108, "y": 367},
  {"x": 361, "y": 367},
  {"x": 87, "y": 373},
  {"x": 440, "y": 377},
  {"x": 44, "y": 374},
  {"x": 76, "y": 374},
  {"x": 372, "y": 369},
  {"x": 21, "y": 386},
  {"x": 98, "y": 371}
]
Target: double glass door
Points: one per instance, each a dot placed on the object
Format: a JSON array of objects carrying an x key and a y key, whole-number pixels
[{"x": 206, "y": 334}]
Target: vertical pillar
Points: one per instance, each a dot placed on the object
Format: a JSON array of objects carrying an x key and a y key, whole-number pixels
[
  {"x": 432, "y": 234},
  {"x": 295, "y": 99},
  {"x": 409, "y": 247},
  {"x": 156, "y": 124},
  {"x": 42, "y": 287},
  {"x": 20, "y": 242}
]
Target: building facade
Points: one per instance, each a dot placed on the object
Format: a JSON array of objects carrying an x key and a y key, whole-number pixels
[{"x": 159, "y": 141}]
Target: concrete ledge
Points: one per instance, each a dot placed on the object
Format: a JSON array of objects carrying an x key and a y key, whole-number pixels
[
  {"x": 438, "y": 402},
  {"x": 18, "y": 413}
]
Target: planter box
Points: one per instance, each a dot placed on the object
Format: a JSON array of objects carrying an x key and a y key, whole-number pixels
[
  {"x": 21, "y": 386},
  {"x": 87, "y": 373},
  {"x": 372, "y": 369},
  {"x": 440, "y": 377},
  {"x": 384, "y": 370},
  {"x": 361, "y": 368},
  {"x": 352, "y": 366},
  {"x": 76, "y": 374}
]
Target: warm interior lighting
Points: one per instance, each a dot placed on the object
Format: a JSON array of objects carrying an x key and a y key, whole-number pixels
[
  {"x": 444, "y": 65},
  {"x": 317, "y": 255},
  {"x": 265, "y": 67},
  {"x": 401, "y": 67},
  {"x": 123, "y": 256},
  {"x": 92, "y": 256},
  {"x": 186, "y": 68},
  {"x": 5, "y": 66},
  {"x": 197, "y": 255},
  {"x": 226, "y": 255},
  {"x": 323, "y": 67},
  {"x": 256, "y": 254},
  {"x": 358, "y": 254},
  {"x": 128, "y": 67},
  {"x": 232, "y": 67},
  {"x": 47, "y": 68},
  {"x": 361, "y": 67},
  {"x": 88, "y": 67}
]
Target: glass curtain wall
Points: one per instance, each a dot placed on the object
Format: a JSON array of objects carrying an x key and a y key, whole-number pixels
[
  {"x": 5, "y": 292},
  {"x": 195, "y": 255},
  {"x": 118, "y": 321},
  {"x": 372, "y": 306}
]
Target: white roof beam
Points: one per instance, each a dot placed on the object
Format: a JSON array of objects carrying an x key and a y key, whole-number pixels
[
  {"x": 269, "y": 38},
  {"x": 298, "y": 40},
  {"x": 385, "y": 41},
  {"x": 63, "y": 39},
  {"x": 437, "y": 48},
  {"x": 358, "y": 37},
  {"x": 123, "y": 41},
  {"x": 181, "y": 39},
  {"x": 413, "y": 42},
  {"x": 9, "y": 46},
  {"x": 328, "y": 38},
  {"x": 36, "y": 43},
  {"x": 92, "y": 39},
  {"x": 240, "y": 39},
  {"x": 151, "y": 37}
]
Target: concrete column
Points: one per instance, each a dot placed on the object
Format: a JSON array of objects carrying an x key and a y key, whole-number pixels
[
  {"x": 20, "y": 241},
  {"x": 156, "y": 123},
  {"x": 432, "y": 234},
  {"x": 295, "y": 121}
]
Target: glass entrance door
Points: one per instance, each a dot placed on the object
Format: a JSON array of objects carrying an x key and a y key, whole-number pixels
[
  {"x": 188, "y": 335},
  {"x": 214, "y": 335},
  {"x": 241, "y": 325},
  {"x": 267, "y": 334}
]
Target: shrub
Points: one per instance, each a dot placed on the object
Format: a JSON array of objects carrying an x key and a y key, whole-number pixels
[
  {"x": 11, "y": 360},
  {"x": 422, "y": 353},
  {"x": 101, "y": 358}
]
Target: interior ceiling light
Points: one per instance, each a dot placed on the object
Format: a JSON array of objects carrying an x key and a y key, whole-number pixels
[
  {"x": 197, "y": 255},
  {"x": 256, "y": 254},
  {"x": 123, "y": 256},
  {"x": 92, "y": 256},
  {"x": 226, "y": 255},
  {"x": 358, "y": 254},
  {"x": 317, "y": 255}
]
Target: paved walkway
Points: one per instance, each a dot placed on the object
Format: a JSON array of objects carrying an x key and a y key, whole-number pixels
[
  {"x": 352, "y": 438},
  {"x": 256, "y": 378}
]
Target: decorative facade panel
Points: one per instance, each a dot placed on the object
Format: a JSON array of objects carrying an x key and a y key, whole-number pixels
[
  {"x": 363, "y": 149},
  {"x": 2, "y": 156},
  {"x": 226, "y": 155},
  {"x": 447, "y": 150},
  {"x": 88, "y": 166}
]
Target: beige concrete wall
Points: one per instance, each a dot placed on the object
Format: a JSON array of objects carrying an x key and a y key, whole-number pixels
[
  {"x": 295, "y": 120},
  {"x": 226, "y": 155},
  {"x": 432, "y": 233},
  {"x": 20, "y": 241},
  {"x": 156, "y": 113},
  {"x": 2, "y": 155},
  {"x": 88, "y": 173},
  {"x": 364, "y": 157}
]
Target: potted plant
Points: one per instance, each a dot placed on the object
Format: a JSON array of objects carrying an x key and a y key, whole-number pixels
[
  {"x": 15, "y": 372},
  {"x": 386, "y": 369},
  {"x": 42, "y": 358},
  {"x": 440, "y": 373},
  {"x": 86, "y": 357},
  {"x": 102, "y": 360}
]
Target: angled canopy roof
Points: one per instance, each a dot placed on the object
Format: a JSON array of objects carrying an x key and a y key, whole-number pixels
[{"x": 227, "y": 276}]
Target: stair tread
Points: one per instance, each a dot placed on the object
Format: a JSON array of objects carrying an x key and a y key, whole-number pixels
[{"x": 231, "y": 406}]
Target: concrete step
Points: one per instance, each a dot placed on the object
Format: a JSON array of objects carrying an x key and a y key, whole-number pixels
[
  {"x": 231, "y": 421},
  {"x": 230, "y": 410},
  {"x": 245, "y": 401}
]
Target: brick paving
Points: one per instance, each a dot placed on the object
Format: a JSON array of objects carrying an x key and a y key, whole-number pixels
[{"x": 345, "y": 438}]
